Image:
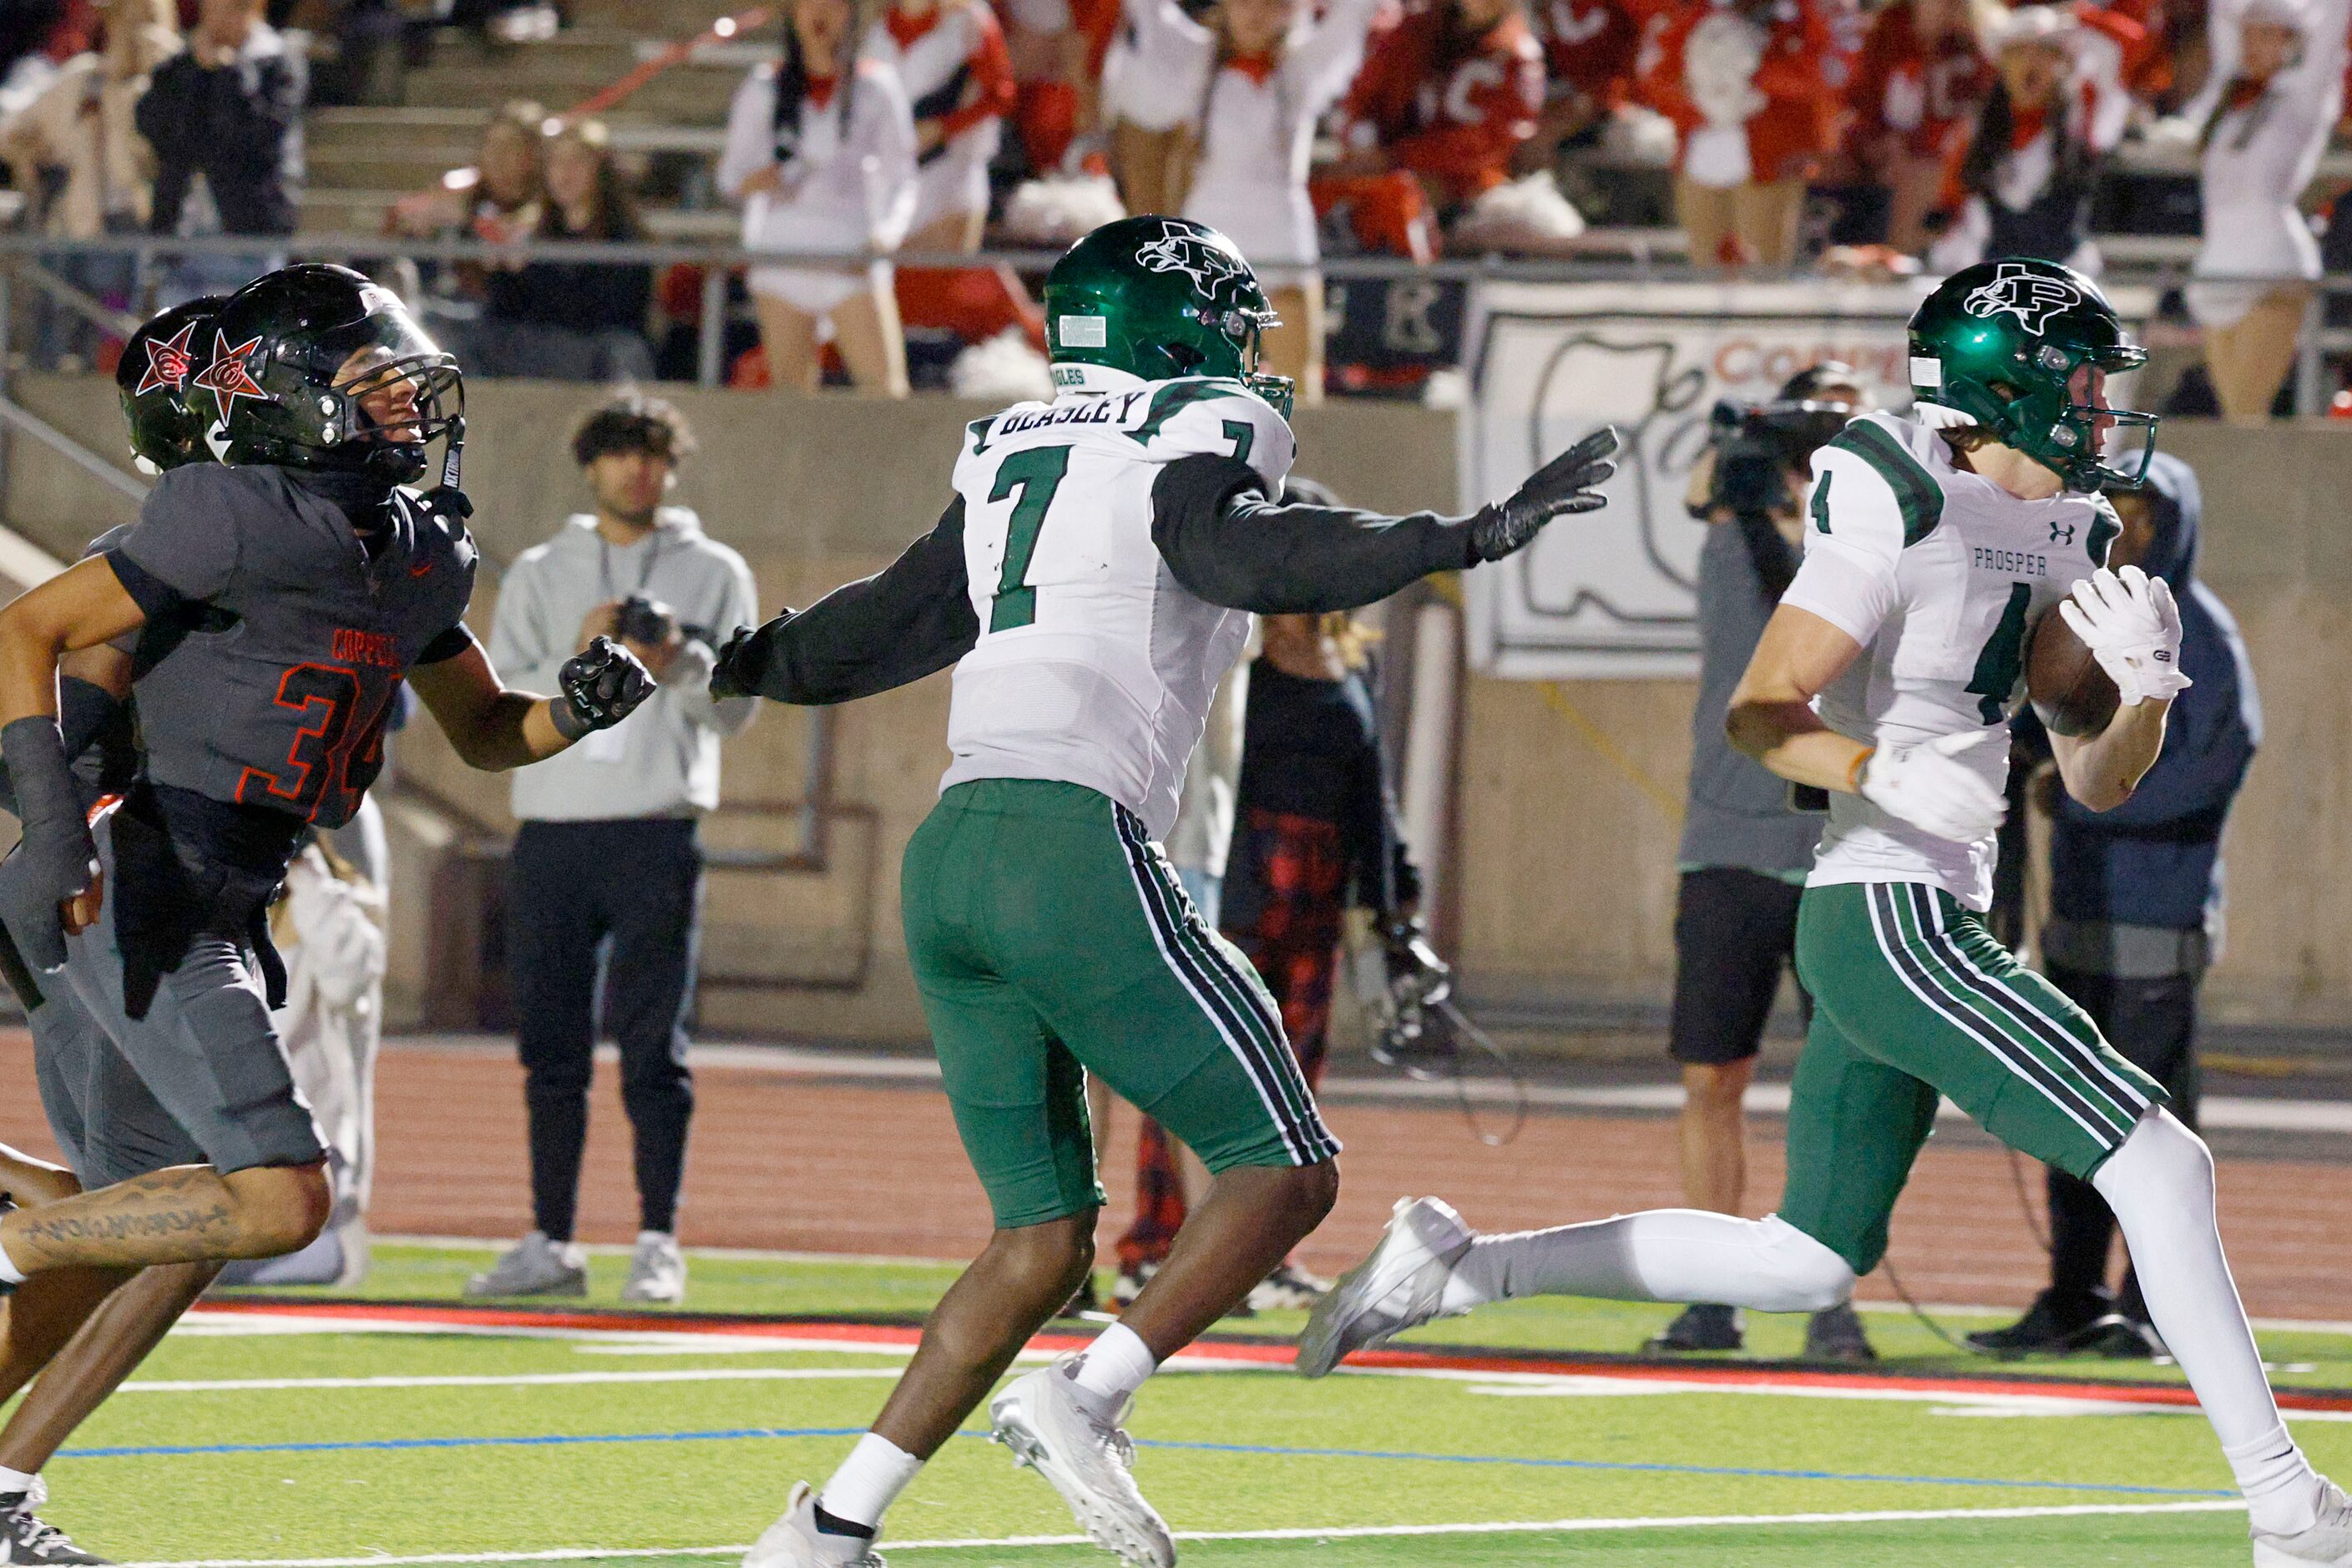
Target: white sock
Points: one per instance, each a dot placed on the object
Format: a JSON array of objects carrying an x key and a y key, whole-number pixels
[
  {"x": 2160, "y": 1184},
  {"x": 9, "y": 1273},
  {"x": 1112, "y": 1368},
  {"x": 15, "y": 1481},
  {"x": 868, "y": 1481},
  {"x": 1666, "y": 1255}
]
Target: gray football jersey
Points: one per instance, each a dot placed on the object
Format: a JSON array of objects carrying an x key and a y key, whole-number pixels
[{"x": 295, "y": 642}]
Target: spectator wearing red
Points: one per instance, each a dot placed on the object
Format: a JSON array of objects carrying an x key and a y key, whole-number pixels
[
  {"x": 1058, "y": 48},
  {"x": 821, "y": 152},
  {"x": 1590, "y": 49},
  {"x": 1746, "y": 84},
  {"x": 1914, "y": 95},
  {"x": 2264, "y": 122},
  {"x": 1268, "y": 72},
  {"x": 1434, "y": 119},
  {"x": 2020, "y": 185},
  {"x": 950, "y": 58}
]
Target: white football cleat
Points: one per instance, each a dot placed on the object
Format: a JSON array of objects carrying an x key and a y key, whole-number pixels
[
  {"x": 1049, "y": 1428},
  {"x": 792, "y": 1542},
  {"x": 2327, "y": 1544},
  {"x": 1399, "y": 1287}
]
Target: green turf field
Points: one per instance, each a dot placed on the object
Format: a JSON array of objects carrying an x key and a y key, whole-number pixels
[{"x": 251, "y": 1437}]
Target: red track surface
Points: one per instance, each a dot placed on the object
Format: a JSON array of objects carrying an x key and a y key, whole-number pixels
[{"x": 789, "y": 1162}]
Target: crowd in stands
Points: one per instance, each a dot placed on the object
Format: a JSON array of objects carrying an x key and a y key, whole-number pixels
[{"x": 1773, "y": 133}]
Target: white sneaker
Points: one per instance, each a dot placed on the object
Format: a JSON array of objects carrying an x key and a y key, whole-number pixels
[
  {"x": 534, "y": 1267},
  {"x": 1048, "y": 1427},
  {"x": 2328, "y": 1543},
  {"x": 792, "y": 1542},
  {"x": 1399, "y": 1287},
  {"x": 657, "y": 1269}
]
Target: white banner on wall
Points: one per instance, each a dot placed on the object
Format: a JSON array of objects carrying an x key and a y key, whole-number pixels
[{"x": 1611, "y": 594}]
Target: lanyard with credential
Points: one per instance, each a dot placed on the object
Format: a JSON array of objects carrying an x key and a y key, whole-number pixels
[{"x": 604, "y": 565}]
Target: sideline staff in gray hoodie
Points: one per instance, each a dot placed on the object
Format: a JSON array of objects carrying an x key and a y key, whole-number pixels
[{"x": 608, "y": 855}]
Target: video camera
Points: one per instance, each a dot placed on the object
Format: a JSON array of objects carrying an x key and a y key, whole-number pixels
[{"x": 1757, "y": 444}]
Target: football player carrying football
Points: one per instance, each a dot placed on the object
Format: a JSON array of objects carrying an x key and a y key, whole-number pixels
[
  {"x": 1887, "y": 677},
  {"x": 1090, "y": 582}
]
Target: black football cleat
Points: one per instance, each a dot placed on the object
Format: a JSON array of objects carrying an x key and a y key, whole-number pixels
[
  {"x": 2049, "y": 1326},
  {"x": 1836, "y": 1335},
  {"x": 25, "y": 1539}
]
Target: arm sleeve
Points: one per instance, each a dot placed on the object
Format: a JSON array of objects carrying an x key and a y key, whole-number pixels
[
  {"x": 910, "y": 619},
  {"x": 1227, "y": 544},
  {"x": 184, "y": 544},
  {"x": 449, "y": 645},
  {"x": 1853, "y": 542}
]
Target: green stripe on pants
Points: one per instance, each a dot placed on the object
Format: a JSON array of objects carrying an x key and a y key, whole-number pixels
[{"x": 1912, "y": 997}]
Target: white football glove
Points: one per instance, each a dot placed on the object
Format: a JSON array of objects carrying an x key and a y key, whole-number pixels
[
  {"x": 1926, "y": 785},
  {"x": 2129, "y": 622}
]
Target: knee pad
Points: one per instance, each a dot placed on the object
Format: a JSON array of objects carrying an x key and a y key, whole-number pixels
[{"x": 1807, "y": 1275}]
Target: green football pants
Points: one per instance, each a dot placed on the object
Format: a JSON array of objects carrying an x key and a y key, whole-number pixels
[
  {"x": 1049, "y": 939},
  {"x": 1913, "y": 999}
]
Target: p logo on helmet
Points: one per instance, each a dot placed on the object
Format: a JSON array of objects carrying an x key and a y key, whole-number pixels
[{"x": 2032, "y": 297}]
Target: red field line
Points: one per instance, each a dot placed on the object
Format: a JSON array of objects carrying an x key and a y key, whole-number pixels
[{"x": 1399, "y": 1357}]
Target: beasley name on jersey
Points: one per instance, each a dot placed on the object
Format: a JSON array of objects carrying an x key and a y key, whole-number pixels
[
  {"x": 1093, "y": 665},
  {"x": 1940, "y": 574}
]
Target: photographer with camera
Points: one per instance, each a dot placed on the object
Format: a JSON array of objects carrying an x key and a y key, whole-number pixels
[
  {"x": 1744, "y": 852},
  {"x": 608, "y": 851}
]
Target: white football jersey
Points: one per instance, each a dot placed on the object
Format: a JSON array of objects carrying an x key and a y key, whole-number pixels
[
  {"x": 1940, "y": 574},
  {"x": 1093, "y": 665}
]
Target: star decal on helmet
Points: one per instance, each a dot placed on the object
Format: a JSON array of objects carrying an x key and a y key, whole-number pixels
[
  {"x": 1208, "y": 268},
  {"x": 226, "y": 378},
  {"x": 2032, "y": 297},
  {"x": 168, "y": 362}
]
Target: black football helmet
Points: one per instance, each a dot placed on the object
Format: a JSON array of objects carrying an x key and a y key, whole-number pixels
[
  {"x": 320, "y": 367},
  {"x": 167, "y": 352}
]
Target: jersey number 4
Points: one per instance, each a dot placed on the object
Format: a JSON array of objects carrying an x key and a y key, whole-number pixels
[{"x": 2002, "y": 655}]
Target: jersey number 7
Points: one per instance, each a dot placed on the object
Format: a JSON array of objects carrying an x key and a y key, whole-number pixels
[{"x": 1036, "y": 473}]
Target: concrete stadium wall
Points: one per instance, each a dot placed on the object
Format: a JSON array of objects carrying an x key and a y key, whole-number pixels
[{"x": 1569, "y": 797}]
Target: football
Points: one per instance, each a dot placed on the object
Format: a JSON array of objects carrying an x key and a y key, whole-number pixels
[{"x": 2063, "y": 682}]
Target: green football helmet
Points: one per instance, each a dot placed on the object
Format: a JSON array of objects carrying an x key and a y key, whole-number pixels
[
  {"x": 1158, "y": 298},
  {"x": 168, "y": 351},
  {"x": 2000, "y": 342}
]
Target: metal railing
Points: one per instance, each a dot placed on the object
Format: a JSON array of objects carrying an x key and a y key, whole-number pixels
[{"x": 1607, "y": 256}]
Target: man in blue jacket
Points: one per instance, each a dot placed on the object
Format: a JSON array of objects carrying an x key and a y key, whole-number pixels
[{"x": 2136, "y": 910}]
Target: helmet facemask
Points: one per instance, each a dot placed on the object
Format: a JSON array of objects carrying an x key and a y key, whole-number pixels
[
  {"x": 2050, "y": 425},
  {"x": 1246, "y": 328}
]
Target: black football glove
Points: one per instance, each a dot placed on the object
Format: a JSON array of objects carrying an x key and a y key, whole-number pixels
[
  {"x": 742, "y": 660},
  {"x": 1563, "y": 485},
  {"x": 600, "y": 686},
  {"x": 58, "y": 859}
]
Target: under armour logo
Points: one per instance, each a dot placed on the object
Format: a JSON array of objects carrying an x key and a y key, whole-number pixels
[
  {"x": 2032, "y": 297},
  {"x": 2061, "y": 533},
  {"x": 1211, "y": 267},
  {"x": 226, "y": 378},
  {"x": 168, "y": 362}
]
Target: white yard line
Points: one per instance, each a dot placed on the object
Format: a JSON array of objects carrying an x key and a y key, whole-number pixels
[{"x": 1339, "y": 1532}]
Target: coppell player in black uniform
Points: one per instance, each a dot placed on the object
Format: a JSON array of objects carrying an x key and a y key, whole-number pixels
[{"x": 312, "y": 585}]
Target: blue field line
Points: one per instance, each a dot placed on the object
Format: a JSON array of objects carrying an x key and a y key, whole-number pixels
[{"x": 737, "y": 1434}]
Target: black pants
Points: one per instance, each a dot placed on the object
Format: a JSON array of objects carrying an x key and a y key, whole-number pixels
[
  {"x": 634, "y": 891},
  {"x": 2154, "y": 1023}
]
